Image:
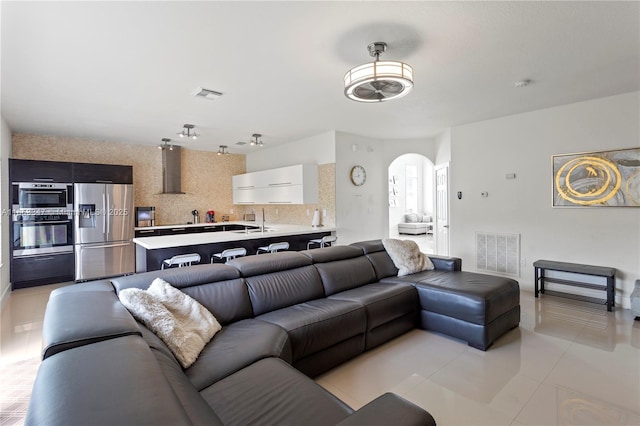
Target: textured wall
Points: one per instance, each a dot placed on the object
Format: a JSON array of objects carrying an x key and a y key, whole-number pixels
[{"x": 206, "y": 178}]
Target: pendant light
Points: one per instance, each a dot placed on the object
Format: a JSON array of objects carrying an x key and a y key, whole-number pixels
[{"x": 378, "y": 81}]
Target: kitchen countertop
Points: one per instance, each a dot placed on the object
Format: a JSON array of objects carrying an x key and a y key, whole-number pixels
[{"x": 179, "y": 240}]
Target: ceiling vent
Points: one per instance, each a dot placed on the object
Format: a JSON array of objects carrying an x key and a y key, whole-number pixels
[
  {"x": 206, "y": 93},
  {"x": 241, "y": 143}
]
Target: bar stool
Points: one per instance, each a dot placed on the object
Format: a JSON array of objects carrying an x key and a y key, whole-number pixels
[
  {"x": 273, "y": 247},
  {"x": 229, "y": 254},
  {"x": 181, "y": 260},
  {"x": 325, "y": 241}
]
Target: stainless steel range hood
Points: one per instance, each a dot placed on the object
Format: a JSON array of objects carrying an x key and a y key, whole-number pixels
[{"x": 172, "y": 170}]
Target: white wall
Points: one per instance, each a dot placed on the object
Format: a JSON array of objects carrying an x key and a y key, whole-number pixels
[
  {"x": 319, "y": 149},
  {"x": 5, "y": 205},
  {"x": 482, "y": 153},
  {"x": 361, "y": 211}
]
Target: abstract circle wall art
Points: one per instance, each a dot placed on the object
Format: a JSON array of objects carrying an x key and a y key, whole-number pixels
[{"x": 597, "y": 179}]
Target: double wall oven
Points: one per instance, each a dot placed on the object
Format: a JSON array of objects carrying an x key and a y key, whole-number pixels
[{"x": 42, "y": 219}]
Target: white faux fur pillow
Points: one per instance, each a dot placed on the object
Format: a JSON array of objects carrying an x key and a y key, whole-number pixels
[
  {"x": 407, "y": 257},
  {"x": 179, "y": 320}
]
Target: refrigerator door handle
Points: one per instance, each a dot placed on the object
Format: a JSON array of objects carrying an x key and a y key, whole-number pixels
[
  {"x": 104, "y": 213},
  {"x": 106, "y": 246}
]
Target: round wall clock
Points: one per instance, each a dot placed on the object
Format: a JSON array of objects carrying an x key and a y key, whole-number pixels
[{"x": 358, "y": 175}]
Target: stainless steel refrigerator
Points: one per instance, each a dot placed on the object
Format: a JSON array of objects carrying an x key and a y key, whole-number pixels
[{"x": 103, "y": 230}]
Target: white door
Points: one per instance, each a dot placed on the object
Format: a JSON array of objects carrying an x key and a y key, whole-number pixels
[{"x": 442, "y": 210}]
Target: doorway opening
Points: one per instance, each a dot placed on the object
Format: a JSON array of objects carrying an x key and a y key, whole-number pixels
[{"x": 411, "y": 200}]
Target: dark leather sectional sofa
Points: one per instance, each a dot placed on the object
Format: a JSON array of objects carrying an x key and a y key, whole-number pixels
[{"x": 285, "y": 316}]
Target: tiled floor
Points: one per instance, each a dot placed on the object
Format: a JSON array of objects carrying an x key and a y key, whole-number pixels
[{"x": 567, "y": 364}]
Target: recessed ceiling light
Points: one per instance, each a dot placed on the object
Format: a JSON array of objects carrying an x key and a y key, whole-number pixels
[{"x": 206, "y": 93}]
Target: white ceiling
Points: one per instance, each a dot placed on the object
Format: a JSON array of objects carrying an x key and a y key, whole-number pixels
[{"x": 126, "y": 71}]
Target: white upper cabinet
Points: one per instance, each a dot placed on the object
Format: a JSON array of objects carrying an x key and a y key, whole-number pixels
[{"x": 286, "y": 185}]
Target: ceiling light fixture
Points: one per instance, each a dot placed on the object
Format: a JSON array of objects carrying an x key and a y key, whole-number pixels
[
  {"x": 166, "y": 144},
  {"x": 256, "y": 140},
  {"x": 188, "y": 131},
  {"x": 223, "y": 150},
  {"x": 378, "y": 81}
]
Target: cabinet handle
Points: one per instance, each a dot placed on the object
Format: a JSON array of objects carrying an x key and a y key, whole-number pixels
[
  {"x": 280, "y": 183},
  {"x": 177, "y": 229},
  {"x": 280, "y": 202},
  {"x": 246, "y": 202},
  {"x": 44, "y": 179},
  {"x": 104, "y": 181},
  {"x": 39, "y": 259},
  {"x": 149, "y": 231},
  {"x": 246, "y": 187}
]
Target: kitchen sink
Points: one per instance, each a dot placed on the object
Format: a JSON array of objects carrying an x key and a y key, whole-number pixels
[{"x": 254, "y": 231}]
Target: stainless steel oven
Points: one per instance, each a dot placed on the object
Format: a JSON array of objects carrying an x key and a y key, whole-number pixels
[
  {"x": 31, "y": 198},
  {"x": 41, "y": 234}
]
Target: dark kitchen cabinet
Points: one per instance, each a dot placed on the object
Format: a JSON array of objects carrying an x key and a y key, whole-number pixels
[
  {"x": 102, "y": 173},
  {"x": 41, "y": 270},
  {"x": 39, "y": 171},
  {"x": 146, "y": 233}
]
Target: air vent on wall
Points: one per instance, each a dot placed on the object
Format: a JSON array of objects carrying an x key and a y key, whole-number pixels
[
  {"x": 498, "y": 253},
  {"x": 206, "y": 93}
]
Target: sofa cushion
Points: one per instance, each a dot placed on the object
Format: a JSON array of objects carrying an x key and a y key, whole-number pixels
[
  {"x": 197, "y": 409},
  {"x": 318, "y": 324},
  {"x": 413, "y": 278},
  {"x": 236, "y": 346},
  {"x": 180, "y": 321},
  {"x": 383, "y": 302},
  {"x": 471, "y": 297},
  {"x": 276, "y": 290},
  {"x": 412, "y": 218},
  {"x": 270, "y": 392},
  {"x": 346, "y": 274},
  {"x": 227, "y": 300},
  {"x": 407, "y": 257}
]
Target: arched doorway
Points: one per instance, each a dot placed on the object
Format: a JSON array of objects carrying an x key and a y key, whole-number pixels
[{"x": 411, "y": 200}]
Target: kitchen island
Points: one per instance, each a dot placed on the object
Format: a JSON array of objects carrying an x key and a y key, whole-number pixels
[{"x": 152, "y": 250}]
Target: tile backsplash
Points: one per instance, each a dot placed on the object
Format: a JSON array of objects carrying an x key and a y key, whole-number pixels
[{"x": 206, "y": 179}]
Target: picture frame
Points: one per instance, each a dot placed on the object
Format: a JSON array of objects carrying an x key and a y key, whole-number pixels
[{"x": 596, "y": 179}]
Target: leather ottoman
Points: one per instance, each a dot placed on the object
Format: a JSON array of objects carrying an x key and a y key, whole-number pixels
[{"x": 474, "y": 307}]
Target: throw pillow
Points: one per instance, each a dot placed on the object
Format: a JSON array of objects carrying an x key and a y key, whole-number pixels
[
  {"x": 411, "y": 218},
  {"x": 180, "y": 321},
  {"x": 407, "y": 257}
]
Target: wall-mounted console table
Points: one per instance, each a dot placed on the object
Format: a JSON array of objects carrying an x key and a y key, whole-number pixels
[{"x": 541, "y": 266}]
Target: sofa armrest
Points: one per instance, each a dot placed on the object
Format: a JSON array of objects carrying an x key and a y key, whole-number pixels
[
  {"x": 79, "y": 318},
  {"x": 114, "y": 382},
  {"x": 389, "y": 409},
  {"x": 446, "y": 263}
]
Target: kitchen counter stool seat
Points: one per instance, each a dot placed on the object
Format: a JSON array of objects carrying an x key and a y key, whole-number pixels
[
  {"x": 229, "y": 254},
  {"x": 181, "y": 260},
  {"x": 325, "y": 241},
  {"x": 273, "y": 247}
]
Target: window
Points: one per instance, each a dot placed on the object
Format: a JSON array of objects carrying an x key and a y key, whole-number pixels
[{"x": 411, "y": 188}]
